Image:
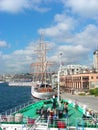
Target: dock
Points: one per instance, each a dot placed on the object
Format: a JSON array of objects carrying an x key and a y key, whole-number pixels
[{"x": 88, "y": 101}]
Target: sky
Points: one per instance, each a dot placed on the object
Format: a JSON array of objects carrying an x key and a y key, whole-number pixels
[{"x": 70, "y": 27}]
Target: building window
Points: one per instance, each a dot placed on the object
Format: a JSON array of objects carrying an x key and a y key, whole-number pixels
[
  {"x": 91, "y": 77},
  {"x": 85, "y": 78}
]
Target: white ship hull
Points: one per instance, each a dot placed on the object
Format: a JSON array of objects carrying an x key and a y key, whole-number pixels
[
  {"x": 42, "y": 95},
  {"x": 1, "y": 81},
  {"x": 39, "y": 127}
]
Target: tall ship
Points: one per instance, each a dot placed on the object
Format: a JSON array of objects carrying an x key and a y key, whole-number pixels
[{"x": 42, "y": 86}]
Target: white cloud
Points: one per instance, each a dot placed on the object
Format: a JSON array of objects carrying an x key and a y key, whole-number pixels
[
  {"x": 3, "y": 44},
  {"x": 87, "y": 8},
  {"x": 87, "y": 37},
  {"x": 62, "y": 25},
  {"x": 14, "y": 6},
  {"x": 68, "y": 30},
  {"x": 18, "y": 61},
  {"x": 71, "y": 54},
  {"x": 76, "y": 45},
  {"x": 78, "y": 49},
  {"x": 22, "y": 52},
  {"x": 76, "y": 39},
  {"x": 74, "y": 54}
]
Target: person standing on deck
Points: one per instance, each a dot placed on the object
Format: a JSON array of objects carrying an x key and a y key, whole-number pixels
[
  {"x": 66, "y": 109},
  {"x": 76, "y": 104},
  {"x": 54, "y": 102}
]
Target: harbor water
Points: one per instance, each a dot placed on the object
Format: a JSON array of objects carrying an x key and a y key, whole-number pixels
[{"x": 11, "y": 97}]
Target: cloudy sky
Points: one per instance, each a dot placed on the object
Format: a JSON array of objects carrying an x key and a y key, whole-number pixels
[{"x": 69, "y": 26}]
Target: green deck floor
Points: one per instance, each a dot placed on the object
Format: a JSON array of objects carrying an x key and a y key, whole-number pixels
[
  {"x": 30, "y": 111},
  {"x": 73, "y": 114}
]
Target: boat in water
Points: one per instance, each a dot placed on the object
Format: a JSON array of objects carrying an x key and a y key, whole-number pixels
[
  {"x": 13, "y": 83},
  {"x": 50, "y": 115},
  {"x": 42, "y": 87},
  {"x": 1, "y": 81},
  {"x": 20, "y": 80}
]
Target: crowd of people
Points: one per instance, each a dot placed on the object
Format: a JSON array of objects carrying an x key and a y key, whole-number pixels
[{"x": 54, "y": 112}]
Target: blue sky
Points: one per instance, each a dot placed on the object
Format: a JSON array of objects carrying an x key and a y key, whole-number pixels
[{"x": 69, "y": 26}]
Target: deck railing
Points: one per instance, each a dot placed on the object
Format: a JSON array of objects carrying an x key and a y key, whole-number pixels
[
  {"x": 86, "y": 122},
  {"x": 49, "y": 122}
]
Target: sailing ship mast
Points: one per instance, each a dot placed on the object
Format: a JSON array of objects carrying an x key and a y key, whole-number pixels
[{"x": 41, "y": 65}]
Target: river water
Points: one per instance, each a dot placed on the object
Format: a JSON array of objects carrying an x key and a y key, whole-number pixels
[{"x": 11, "y": 97}]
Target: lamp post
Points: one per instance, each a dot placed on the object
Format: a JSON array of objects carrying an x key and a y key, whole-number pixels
[
  {"x": 58, "y": 85},
  {"x": 59, "y": 71}
]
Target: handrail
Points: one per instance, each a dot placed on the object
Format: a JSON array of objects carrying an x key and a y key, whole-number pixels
[
  {"x": 86, "y": 122},
  {"x": 52, "y": 122},
  {"x": 45, "y": 123}
]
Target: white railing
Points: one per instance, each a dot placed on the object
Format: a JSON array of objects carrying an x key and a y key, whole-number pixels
[{"x": 48, "y": 123}]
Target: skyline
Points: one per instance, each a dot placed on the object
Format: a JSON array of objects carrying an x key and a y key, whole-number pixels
[{"x": 70, "y": 27}]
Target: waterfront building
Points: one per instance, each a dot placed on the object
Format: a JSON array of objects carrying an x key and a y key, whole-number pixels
[
  {"x": 73, "y": 69},
  {"x": 79, "y": 78},
  {"x": 73, "y": 78},
  {"x": 79, "y": 82}
]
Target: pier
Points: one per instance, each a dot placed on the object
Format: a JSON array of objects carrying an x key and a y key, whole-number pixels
[{"x": 89, "y": 101}]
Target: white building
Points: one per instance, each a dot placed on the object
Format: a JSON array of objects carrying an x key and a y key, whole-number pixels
[{"x": 73, "y": 69}]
